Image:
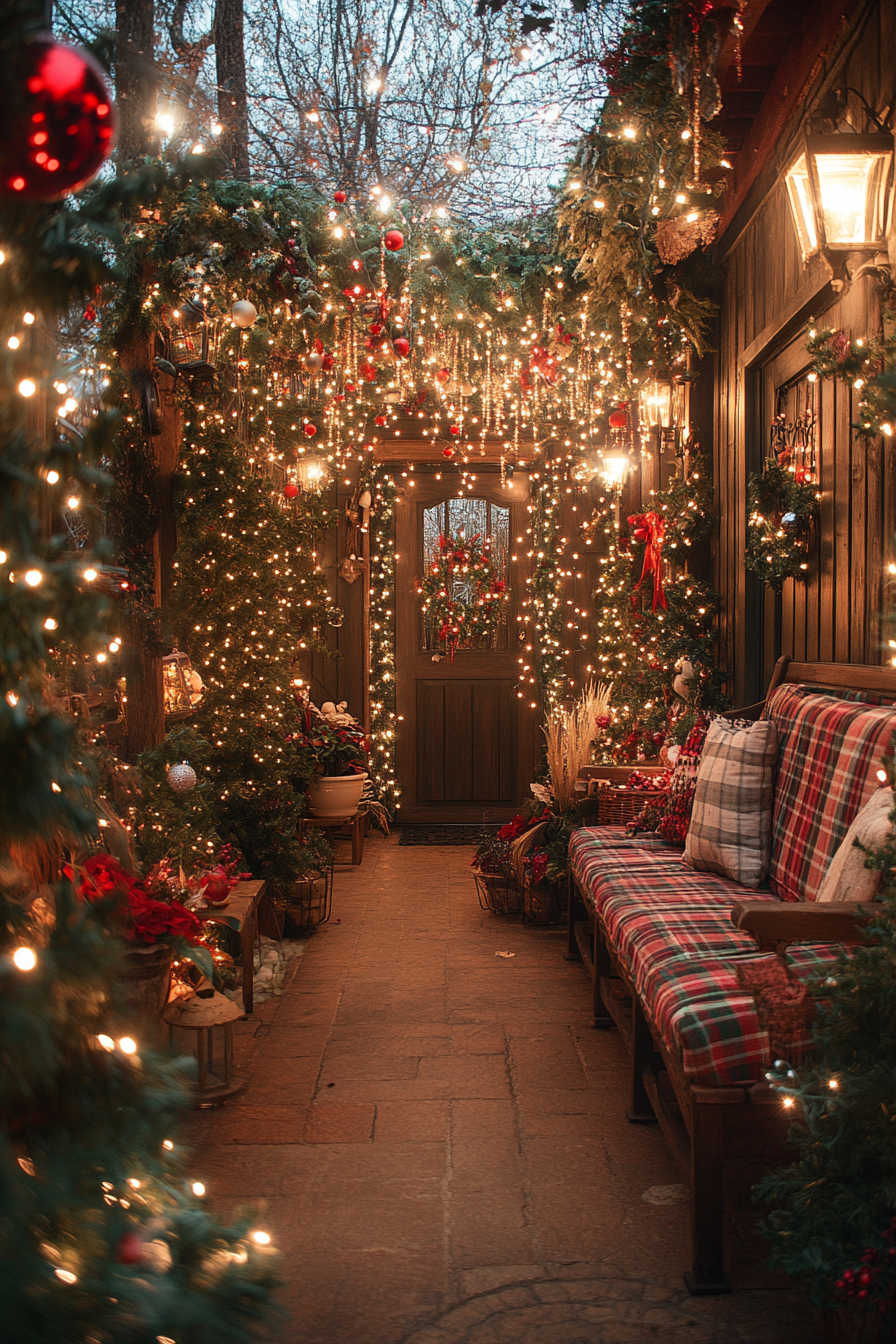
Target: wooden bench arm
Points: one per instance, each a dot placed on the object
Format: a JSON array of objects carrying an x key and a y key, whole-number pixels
[{"x": 775, "y": 925}]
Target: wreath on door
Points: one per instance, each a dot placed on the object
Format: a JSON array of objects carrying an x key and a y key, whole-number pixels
[
  {"x": 463, "y": 592},
  {"x": 781, "y": 512}
]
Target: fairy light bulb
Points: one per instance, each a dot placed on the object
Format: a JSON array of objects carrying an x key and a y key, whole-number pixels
[
  {"x": 106, "y": 1042},
  {"x": 24, "y": 958},
  {"x": 127, "y": 1045},
  {"x": 27, "y": 387},
  {"x": 198, "y": 1189}
]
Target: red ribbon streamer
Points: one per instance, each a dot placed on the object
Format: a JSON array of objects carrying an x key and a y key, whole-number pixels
[{"x": 651, "y": 529}]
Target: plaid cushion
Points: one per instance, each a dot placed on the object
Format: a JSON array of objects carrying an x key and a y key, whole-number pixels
[
  {"x": 730, "y": 830},
  {"x": 829, "y": 750},
  {"x": 711, "y": 1024}
]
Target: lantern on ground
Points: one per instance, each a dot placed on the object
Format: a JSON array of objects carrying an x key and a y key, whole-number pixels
[
  {"x": 839, "y": 190},
  {"x": 181, "y": 685}
]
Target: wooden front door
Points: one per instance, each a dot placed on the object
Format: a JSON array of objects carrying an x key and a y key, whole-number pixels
[{"x": 466, "y": 743}]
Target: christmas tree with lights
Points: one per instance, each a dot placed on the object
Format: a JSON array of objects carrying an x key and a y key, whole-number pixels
[
  {"x": 653, "y": 619},
  {"x": 103, "y": 1237},
  {"x": 833, "y": 1212}
]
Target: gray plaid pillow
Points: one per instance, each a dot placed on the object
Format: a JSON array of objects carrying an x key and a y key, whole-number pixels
[{"x": 731, "y": 824}]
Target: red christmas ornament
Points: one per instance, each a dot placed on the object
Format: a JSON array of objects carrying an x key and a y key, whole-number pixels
[
  {"x": 130, "y": 1249},
  {"x": 217, "y": 889},
  {"x": 443, "y": 375},
  {"x": 402, "y": 346},
  {"x": 309, "y": 430},
  {"x": 368, "y": 371},
  {"x": 454, "y": 429},
  {"x": 376, "y": 328},
  {"x": 59, "y": 120},
  {"x": 339, "y": 197},
  {"x": 328, "y": 363},
  {"x": 349, "y": 387},
  {"x": 379, "y": 420},
  {"x": 291, "y": 490},
  {"x": 618, "y": 419},
  {"x": 394, "y": 240},
  {"x": 447, "y": 452}
]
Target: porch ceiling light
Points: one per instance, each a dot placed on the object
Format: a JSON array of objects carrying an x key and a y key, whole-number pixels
[{"x": 839, "y": 191}]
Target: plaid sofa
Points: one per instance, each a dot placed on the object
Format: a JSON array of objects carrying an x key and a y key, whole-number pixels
[{"x": 670, "y": 926}]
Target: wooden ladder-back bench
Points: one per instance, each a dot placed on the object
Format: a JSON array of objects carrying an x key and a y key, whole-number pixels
[{"x": 666, "y": 946}]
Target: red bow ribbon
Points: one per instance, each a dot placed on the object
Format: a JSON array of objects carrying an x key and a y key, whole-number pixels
[{"x": 651, "y": 529}]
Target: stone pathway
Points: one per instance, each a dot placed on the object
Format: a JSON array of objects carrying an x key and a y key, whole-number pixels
[{"x": 437, "y": 1137}]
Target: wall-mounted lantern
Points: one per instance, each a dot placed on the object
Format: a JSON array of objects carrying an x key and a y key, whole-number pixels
[
  {"x": 840, "y": 190},
  {"x": 664, "y": 410}
]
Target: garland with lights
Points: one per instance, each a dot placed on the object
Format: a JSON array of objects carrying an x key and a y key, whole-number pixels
[
  {"x": 544, "y": 678},
  {"x": 781, "y": 513},
  {"x": 383, "y": 712},
  {"x": 867, "y": 366},
  {"x": 639, "y": 645},
  {"x": 831, "y": 1219},
  {"x": 102, "y": 1235},
  {"x": 462, "y": 593}
]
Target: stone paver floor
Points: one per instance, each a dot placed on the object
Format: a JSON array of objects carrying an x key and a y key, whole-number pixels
[{"x": 437, "y": 1137}]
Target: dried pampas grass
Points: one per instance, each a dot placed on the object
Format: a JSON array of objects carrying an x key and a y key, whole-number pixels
[{"x": 569, "y": 735}]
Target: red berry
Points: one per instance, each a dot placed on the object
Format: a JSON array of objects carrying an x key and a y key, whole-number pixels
[
  {"x": 309, "y": 430},
  {"x": 290, "y": 490},
  {"x": 339, "y": 196},
  {"x": 394, "y": 240}
]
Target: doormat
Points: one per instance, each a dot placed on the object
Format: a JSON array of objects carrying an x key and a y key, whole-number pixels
[{"x": 444, "y": 835}]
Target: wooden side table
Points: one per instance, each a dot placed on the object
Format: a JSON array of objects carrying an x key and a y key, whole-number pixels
[
  {"x": 357, "y": 821},
  {"x": 243, "y": 910}
]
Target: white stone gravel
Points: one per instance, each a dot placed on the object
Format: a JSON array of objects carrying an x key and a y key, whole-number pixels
[{"x": 272, "y": 963}]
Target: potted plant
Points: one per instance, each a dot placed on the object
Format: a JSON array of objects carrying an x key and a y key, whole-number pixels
[
  {"x": 339, "y": 747},
  {"x": 152, "y": 928}
]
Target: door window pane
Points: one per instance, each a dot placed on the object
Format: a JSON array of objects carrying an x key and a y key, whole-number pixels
[{"x": 465, "y": 519}]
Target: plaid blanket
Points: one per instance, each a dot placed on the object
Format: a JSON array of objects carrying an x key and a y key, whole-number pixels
[{"x": 829, "y": 751}]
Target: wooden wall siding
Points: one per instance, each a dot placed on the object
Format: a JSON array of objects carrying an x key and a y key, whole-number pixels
[{"x": 767, "y": 298}]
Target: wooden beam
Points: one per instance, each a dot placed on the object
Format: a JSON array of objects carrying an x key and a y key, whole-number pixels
[
  {"x": 800, "y": 64},
  {"x": 408, "y": 449}
]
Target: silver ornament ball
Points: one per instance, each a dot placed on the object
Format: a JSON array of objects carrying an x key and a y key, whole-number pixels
[
  {"x": 181, "y": 777},
  {"x": 243, "y": 313}
]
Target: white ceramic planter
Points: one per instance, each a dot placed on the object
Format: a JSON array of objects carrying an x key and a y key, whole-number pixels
[{"x": 336, "y": 795}]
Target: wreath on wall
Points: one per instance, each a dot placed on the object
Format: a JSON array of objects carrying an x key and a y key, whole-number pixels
[
  {"x": 463, "y": 592},
  {"x": 781, "y": 513}
]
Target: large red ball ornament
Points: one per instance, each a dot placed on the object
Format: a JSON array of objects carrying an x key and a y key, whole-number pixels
[
  {"x": 402, "y": 346},
  {"x": 454, "y": 429},
  {"x": 394, "y": 240},
  {"x": 130, "y": 1249},
  {"x": 367, "y": 371},
  {"x": 58, "y": 119},
  {"x": 217, "y": 889},
  {"x": 309, "y": 431},
  {"x": 291, "y": 490},
  {"x": 339, "y": 197},
  {"x": 443, "y": 375},
  {"x": 618, "y": 419}
]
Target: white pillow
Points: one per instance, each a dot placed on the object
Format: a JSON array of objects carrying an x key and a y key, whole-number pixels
[{"x": 847, "y": 878}]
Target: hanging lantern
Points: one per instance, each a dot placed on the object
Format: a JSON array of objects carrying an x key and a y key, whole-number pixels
[
  {"x": 839, "y": 189},
  {"x": 615, "y": 469},
  {"x": 181, "y": 685},
  {"x": 313, "y": 473},
  {"x": 194, "y": 341}
]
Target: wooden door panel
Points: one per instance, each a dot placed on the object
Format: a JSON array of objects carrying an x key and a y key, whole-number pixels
[{"x": 466, "y": 744}]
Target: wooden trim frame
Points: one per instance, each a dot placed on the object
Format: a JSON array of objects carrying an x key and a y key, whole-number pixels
[{"x": 695, "y": 1118}]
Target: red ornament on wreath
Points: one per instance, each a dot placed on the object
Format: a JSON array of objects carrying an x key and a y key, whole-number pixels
[
  {"x": 339, "y": 197},
  {"x": 291, "y": 490},
  {"x": 59, "y": 120},
  {"x": 394, "y": 240}
]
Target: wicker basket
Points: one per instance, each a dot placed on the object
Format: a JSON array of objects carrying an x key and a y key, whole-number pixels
[
  {"x": 542, "y": 902},
  {"x": 617, "y": 807},
  {"x": 499, "y": 892},
  {"x": 305, "y": 903}
]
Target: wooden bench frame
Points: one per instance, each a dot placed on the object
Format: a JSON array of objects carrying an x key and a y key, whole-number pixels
[{"x": 694, "y": 1118}]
